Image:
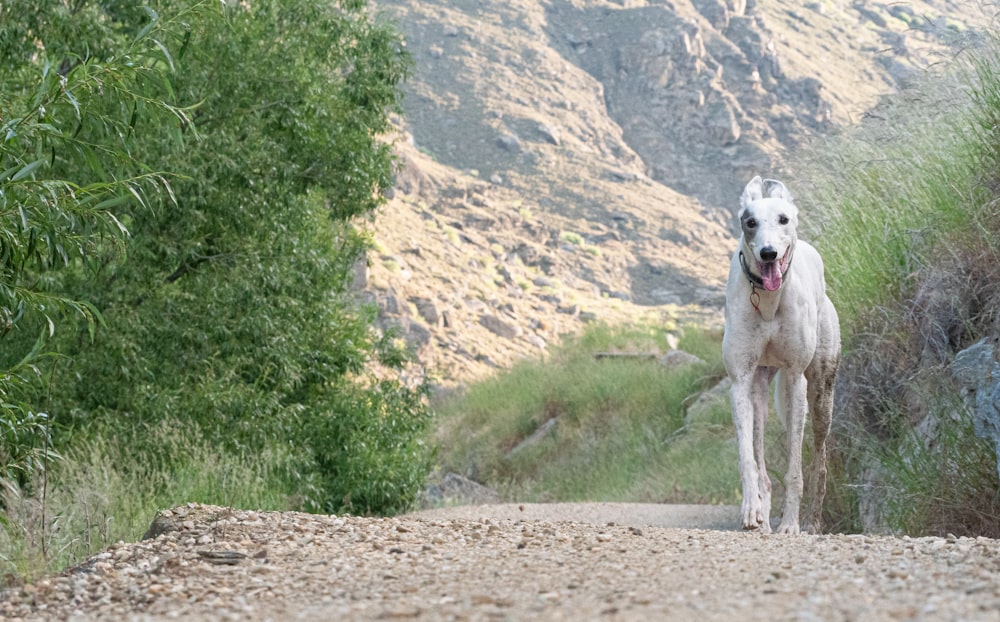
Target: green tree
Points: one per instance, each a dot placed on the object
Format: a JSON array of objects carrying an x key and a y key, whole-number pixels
[
  {"x": 232, "y": 314},
  {"x": 66, "y": 164}
]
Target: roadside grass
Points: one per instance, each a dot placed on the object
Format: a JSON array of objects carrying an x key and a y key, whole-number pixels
[
  {"x": 910, "y": 234},
  {"x": 609, "y": 429},
  {"x": 103, "y": 491},
  {"x": 951, "y": 486}
]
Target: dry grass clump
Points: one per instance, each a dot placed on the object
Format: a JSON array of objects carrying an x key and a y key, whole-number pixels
[{"x": 911, "y": 241}]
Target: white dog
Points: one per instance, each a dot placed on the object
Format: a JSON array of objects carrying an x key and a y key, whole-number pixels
[{"x": 779, "y": 322}]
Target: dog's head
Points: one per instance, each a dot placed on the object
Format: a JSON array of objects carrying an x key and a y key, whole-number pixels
[{"x": 768, "y": 219}]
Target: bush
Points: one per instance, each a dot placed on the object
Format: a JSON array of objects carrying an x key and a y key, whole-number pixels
[
  {"x": 234, "y": 310},
  {"x": 67, "y": 167}
]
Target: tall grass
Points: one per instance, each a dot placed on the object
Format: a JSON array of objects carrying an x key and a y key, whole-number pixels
[
  {"x": 104, "y": 490},
  {"x": 604, "y": 429},
  {"x": 885, "y": 194},
  {"x": 941, "y": 481}
]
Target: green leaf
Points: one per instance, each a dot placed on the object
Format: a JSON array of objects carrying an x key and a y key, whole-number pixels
[
  {"x": 184, "y": 44},
  {"x": 73, "y": 102},
  {"x": 94, "y": 318},
  {"x": 36, "y": 349},
  {"x": 166, "y": 53},
  {"x": 27, "y": 169},
  {"x": 4, "y": 176},
  {"x": 112, "y": 202},
  {"x": 154, "y": 18}
]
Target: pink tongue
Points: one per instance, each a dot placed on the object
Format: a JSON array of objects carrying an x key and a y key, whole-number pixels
[{"x": 770, "y": 273}]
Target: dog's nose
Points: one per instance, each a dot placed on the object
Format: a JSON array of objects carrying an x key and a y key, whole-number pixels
[{"x": 768, "y": 253}]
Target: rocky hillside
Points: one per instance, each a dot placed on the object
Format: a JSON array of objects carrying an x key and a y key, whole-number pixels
[{"x": 565, "y": 161}]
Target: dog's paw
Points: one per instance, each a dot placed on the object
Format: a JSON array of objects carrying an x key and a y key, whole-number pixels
[
  {"x": 788, "y": 528},
  {"x": 753, "y": 518}
]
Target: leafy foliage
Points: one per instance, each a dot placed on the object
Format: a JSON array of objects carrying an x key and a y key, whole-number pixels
[{"x": 232, "y": 313}]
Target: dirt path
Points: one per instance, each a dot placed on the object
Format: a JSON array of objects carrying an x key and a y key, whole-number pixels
[
  {"x": 211, "y": 563},
  {"x": 720, "y": 517}
]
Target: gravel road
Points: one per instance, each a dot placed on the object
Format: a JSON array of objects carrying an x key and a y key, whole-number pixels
[{"x": 559, "y": 562}]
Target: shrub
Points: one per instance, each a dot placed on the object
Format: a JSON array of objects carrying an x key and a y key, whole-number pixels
[{"x": 68, "y": 113}]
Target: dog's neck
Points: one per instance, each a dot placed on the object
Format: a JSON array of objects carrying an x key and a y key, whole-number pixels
[{"x": 754, "y": 279}]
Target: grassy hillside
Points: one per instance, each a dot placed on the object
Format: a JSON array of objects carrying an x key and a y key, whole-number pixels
[{"x": 577, "y": 427}]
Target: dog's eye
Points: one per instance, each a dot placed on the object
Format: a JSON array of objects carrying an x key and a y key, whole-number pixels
[
  {"x": 783, "y": 220},
  {"x": 752, "y": 223}
]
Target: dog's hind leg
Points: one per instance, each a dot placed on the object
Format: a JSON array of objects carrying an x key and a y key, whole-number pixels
[
  {"x": 820, "y": 376},
  {"x": 790, "y": 400}
]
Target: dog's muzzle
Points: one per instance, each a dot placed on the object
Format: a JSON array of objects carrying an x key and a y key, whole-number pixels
[{"x": 772, "y": 272}]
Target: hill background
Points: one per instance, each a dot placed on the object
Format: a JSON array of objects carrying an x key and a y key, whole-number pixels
[{"x": 571, "y": 161}]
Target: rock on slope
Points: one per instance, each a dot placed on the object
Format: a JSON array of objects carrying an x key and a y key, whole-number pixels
[{"x": 571, "y": 160}]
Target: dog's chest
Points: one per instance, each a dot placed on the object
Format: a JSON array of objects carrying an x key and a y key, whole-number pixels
[
  {"x": 775, "y": 355},
  {"x": 787, "y": 344}
]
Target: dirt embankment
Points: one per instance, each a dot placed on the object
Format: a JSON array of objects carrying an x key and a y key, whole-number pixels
[{"x": 211, "y": 563}]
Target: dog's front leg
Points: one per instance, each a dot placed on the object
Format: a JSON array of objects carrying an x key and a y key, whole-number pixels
[
  {"x": 751, "y": 511},
  {"x": 791, "y": 398},
  {"x": 758, "y": 396}
]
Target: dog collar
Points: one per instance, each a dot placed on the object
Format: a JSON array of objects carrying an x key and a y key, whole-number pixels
[
  {"x": 753, "y": 278},
  {"x": 756, "y": 281}
]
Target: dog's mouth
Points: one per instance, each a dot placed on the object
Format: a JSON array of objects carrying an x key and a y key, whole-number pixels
[{"x": 772, "y": 272}]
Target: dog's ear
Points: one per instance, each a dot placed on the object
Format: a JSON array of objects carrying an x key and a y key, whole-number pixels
[
  {"x": 777, "y": 190},
  {"x": 753, "y": 191}
]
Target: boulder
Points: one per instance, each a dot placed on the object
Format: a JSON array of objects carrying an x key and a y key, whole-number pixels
[
  {"x": 677, "y": 358},
  {"x": 976, "y": 369},
  {"x": 706, "y": 408},
  {"x": 503, "y": 328},
  {"x": 550, "y": 133},
  {"x": 428, "y": 310},
  {"x": 454, "y": 489},
  {"x": 543, "y": 431},
  {"x": 509, "y": 142}
]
